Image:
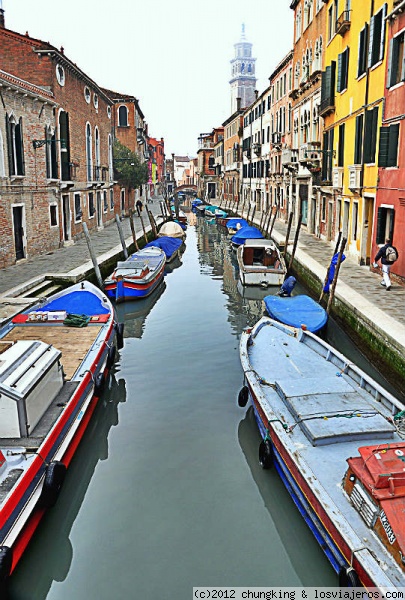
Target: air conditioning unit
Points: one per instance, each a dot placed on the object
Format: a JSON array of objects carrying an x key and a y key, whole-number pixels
[
  {"x": 355, "y": 183},
  {"x": 337, "y": 177}
]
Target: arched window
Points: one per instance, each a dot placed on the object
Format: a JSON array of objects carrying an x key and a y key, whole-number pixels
[
  {"x": 15, "y": 146},
  {"x": 97, "y": 174},
  {"x": 123, "y": 116},
  {"x": 110, "y": 157},
  {"x": 89, "y": 162},
  {"x": 2, "y": 166}
]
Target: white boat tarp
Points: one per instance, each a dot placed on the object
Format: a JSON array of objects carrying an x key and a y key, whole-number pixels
[{"x": 171, "y": 229}]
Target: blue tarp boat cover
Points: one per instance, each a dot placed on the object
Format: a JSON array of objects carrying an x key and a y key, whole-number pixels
[
  {"x": 196, "y": 202},
  {"x": 169, "y": 245},
  {"x": 246, "y": 233},
  {"x": 296, "y": 311},
  {"x": 78, "y": 302},
  {"x": 231, "y": 223}
]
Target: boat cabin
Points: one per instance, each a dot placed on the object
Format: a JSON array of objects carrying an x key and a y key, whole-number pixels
[
  {"x": 131, "y": 269},
  {"x": 261, "y": 253},
  {"x": 375, "y": 484}
]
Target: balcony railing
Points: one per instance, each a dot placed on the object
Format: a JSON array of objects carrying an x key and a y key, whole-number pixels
[
  {"x": 327, "y": 106},
  {"x": 343, "y": 22}
]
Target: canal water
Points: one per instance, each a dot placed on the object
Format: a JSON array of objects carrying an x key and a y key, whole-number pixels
[{"x": 165, "y": 491}]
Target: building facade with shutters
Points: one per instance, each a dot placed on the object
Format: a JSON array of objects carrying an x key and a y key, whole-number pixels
[
  {"x": 389, "y": 213},
  {"x": 352, "y": 104}
]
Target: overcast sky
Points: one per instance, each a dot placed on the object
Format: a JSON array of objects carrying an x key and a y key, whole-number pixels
[{"x": 173, "y": 55}]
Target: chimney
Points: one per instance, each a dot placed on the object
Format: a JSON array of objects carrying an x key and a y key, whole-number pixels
[
  {"x": 238, "y": 103},
  {"x": 2, "y": 25}
]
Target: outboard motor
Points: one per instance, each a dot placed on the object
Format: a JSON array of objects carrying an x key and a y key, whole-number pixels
[{"x": 287, "y": 287}]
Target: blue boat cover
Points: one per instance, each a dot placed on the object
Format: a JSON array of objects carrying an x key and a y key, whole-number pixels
[
  {"x": 78, "y": 302},
  {"x": 231, "y": 223},
  {"x": 220, "y": 213},
  {"x": 296, "y": 311},
  {"x": 169, "y": 245},
  {"x": 246, "y": 233}
]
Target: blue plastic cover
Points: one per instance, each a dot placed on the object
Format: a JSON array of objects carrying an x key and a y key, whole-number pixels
[
  {"x": 169, "y": 245},
  {"x": 78, "y": 302},
  {"x": 246, "y": 233},
  {"x": 296, "y": 311},
  {"x": 231, "y": 223}
]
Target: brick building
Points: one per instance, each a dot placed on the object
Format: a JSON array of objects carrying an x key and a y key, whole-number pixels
[
  {"x": 28, "y": 198},
  {"x": 76, "y": 146}
]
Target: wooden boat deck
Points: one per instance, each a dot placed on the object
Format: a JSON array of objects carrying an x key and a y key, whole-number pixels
[{"x": 65, "y": 339}]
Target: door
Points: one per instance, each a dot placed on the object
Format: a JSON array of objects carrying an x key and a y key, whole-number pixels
[
  {"x": 303, "y": 194},
  {"x": 66, "y": 217},
  {"x": 18, "y": 220},
  {"x": 365, "y": 249}
]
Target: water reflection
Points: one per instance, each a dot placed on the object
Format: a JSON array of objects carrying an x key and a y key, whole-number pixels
[
  {"x": 37, "y": 569},
  {"x": 134, "y": 314}
]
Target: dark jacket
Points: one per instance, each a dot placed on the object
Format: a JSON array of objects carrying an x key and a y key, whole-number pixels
[{"x": 381, "y": 254}]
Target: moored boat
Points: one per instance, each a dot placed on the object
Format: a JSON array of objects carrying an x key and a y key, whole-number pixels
[
  {"x": 245, "y": 233},
  {"x": 137, "y": 276},
  {"x": 260, "y": 263},
  {"x": 170, "y": 245},
  {"x": 172, "y": 229},
  {"x": 297, "y": 311},
  {"x": 54, "y": 358},
  {"x": 233, "y": 225},
  {"x": 316, "y": 412}
]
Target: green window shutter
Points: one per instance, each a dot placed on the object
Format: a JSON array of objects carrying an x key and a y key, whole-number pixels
[
  {"x": 383, "y": 28},
  {"x": 11, "y": 169},
  {"x": 392, "y": 63},
  {"x": 381, "y": 220},
  {"x": 339, "y": 86},
  {"x": 358, "y": 143},
  {"x": 383, "y": 150},
  {"x": 19, "y": 148},
  {"x": 367, "y": 136},
  {"x": 402, "y": 41},
  {"x": 370, "y": 43},
  {"x": 393, "y": 145},
  {"x": 360, "y": 55},
  {"x": 341, "y": 145},
  {"x": 373, "y": 126}
]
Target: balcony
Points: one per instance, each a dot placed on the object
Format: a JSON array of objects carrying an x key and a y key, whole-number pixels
[
  {"x": 355, "y": 178},
  {"x": 289, "y": 156},
  {"x": 327, "y": 106},
  {"x": 337, "y": 178},
  {"x": 309, "y": 153},
  {"x": 257, "y": 149},
  {"x": 343, "y": 22}
]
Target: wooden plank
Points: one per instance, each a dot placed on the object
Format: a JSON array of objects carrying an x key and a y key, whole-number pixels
[{"x": 73, "y": 342}]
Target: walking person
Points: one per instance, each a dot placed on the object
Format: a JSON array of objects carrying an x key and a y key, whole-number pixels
[
  {"x": 139, "y": 206},
  {"x": 388, "y": 254}
]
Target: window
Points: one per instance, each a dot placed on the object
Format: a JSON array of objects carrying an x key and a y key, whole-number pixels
[
  {"x": 87, "y": 94},
  {"x": 327, "y": 155},
  {"x": 323, "y": 208},
  {"x": 328, "y": 86},
  {"x": 50, "y": 156},
  {"x": 53, "y": 215},
  {"x": 343, "y": 68},
  {"x": 122, "y": 116},
  {"x": 377, "y": 37},
  {"x": 97, "y": 174},
  {"x": 92, "y": 209},
  {"x": 388, "y": 151},
  {"x": 105, "y": 202},
  {"x": 78, "y": 208},
  {"x": 362, "y": 64},
  {"x": 89, "y": 162},
  {"x": 370, "y": 135},
  {"x": 2, "y": 167},
  {"x": 385, "y": 224},
  {"x": 341, "y": 147},
  {"x": 331, "y": 23},
  {"x": 109, "y": 112},
  {"x": 298, "y": 21},
  {"x": 358, "y": 142},
  {"x": 211, "y": 190},
  {"x": 111, "y": 199},
  {"x": 95, "y": 100},
  {"x": 122, "y": 199},
  {"x": 355, "y": 219},
  {"x": 396, "y": 64},
  {"x": 15, "y": 146},
  {"x": 60, "y": 75}
]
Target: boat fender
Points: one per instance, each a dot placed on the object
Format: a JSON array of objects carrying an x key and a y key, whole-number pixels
[
  {"x": 243, "y": 396},
  {"x": 348, "y": 577},
  {"x": 265, "y": 454},
  {"x": 54, "y": 478},
  {"x": 119, "y": 328},
  {"x": 99, "y": 384},
  {"x": 111, "y": 356}
]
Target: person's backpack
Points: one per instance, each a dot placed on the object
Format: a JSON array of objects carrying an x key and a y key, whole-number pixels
[{"x": 391, "y": 254}]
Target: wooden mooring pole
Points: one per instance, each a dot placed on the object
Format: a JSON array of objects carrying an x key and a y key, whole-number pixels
[
  {"x": 335, "y": 277},
  {"x": 287, "y": 235},
  {"x": 273, "y": 220},
  {"x": 143, "y": 227},
  {"x": 328, "y": 269},
  {"x": 152, "y": 223},
  {"x": 121, "y": 234},
  {"x": 132, "y": 225},
  {"x": 297, "y": 233},
  {"x": 93, "y": 256}
]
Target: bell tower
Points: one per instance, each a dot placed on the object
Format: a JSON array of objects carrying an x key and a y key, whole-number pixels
[{"x": 243, "y": 80}]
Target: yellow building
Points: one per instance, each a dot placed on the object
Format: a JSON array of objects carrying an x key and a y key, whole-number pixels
[{"x": 352, "y": 109}]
